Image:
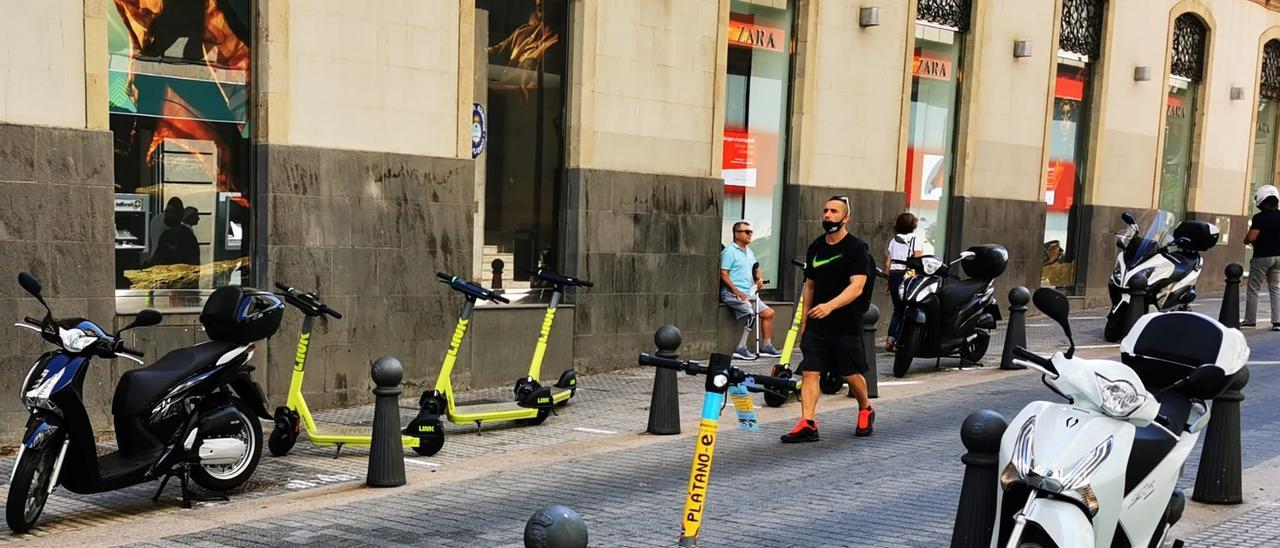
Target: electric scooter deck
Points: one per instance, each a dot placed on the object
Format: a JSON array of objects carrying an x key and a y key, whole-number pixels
[{"x": 295, "y": 416}]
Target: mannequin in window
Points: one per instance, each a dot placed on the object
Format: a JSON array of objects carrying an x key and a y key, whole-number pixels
[{"x": 178, "y": 244}]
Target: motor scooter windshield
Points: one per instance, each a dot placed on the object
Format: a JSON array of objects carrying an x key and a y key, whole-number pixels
[{"x": 1156, "y": 227}]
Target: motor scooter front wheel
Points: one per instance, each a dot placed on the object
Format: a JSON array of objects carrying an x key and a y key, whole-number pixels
[
  {"x": 908, "y": 344},
  {"x": 225, "y": 477},
  {"x": 29, "y": 489}
]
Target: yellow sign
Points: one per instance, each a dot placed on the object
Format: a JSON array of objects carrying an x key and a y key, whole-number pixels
[{"x": 699, "y": 478}]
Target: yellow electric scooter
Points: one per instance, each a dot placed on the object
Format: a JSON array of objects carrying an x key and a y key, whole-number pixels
[
  {"x": 533, "y": 402},
  {"x": 567, "y": 385},
  {"x": 292, "y": 417}
]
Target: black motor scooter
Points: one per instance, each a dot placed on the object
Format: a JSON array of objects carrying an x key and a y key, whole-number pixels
[
  {"x": 945, "y": 315},
  {"x": 191, "y": 414}
]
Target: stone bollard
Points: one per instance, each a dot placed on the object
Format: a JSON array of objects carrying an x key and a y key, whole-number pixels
[
  {"x": 1137, "y": 302},
  {"x": 1230, "y": 313},
  {"x": 1218, "y": 479},
  {"x": 386, "y": 450},
  {"x": 869, "y": 349},
  {"x": 664, "y": 403},
  {"x": 497, "y": 266},
  {"x": 555, "y": 526},
  {"x": 1017, "y": 332},
  {"x": 976, "y": 510}
]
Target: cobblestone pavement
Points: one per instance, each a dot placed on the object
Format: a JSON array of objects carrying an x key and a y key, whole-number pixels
[{"x": 898, "y": 488}]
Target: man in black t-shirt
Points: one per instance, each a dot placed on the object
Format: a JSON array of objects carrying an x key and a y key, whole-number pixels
[
  {"x": 838, "y": 270},
  {"x": 1264, "y": 236}
]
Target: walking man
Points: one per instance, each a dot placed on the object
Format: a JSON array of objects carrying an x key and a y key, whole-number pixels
[
  {"x": 740, "y": 284},
  {"x": 836, "y": 269}
]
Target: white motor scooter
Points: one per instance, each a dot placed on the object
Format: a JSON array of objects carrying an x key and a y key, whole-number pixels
[{"x": 1102, "y": 469}]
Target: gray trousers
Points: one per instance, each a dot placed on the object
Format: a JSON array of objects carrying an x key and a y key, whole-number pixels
[{"x": 1263, "y": 269}]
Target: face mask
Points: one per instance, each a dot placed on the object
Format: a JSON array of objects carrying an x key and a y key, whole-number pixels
[{"x": 831, "y": 226}]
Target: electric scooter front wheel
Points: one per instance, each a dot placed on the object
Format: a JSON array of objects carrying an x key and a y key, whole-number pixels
[
  {"x": 830, "y": 383},
  {"x": 285, "y": 433},
  {"x": 771, "y": 398},
  {"x": 30, "y": 487}
]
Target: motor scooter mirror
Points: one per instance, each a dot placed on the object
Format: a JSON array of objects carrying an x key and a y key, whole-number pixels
[
  {"x": 29, "y": 283},
  {"x": 1129, "y": 220},
  {"x": 1055, "y": 305},
  {"x": 145, "y": 318}
]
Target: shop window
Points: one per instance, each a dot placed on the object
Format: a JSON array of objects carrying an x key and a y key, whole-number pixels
[
  {"x": 1187, "y": 70},
  {"x": 179, "y": 77},
  {"x": 1264, "y": 136},
  {"x": 935, "y": 94},
  {"x": 1078, "y": 50},
  {"x": 757, "y": 94},
  {"x": 520, "y": 110}
]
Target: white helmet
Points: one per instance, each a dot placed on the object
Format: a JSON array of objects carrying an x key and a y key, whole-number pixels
[{"x": 1264, "y": 192}]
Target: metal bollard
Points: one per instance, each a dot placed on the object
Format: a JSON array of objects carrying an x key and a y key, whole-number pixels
[
  {"x": 1218, "y": 479},
  {"x": 872, "y": 376},
  {"x": 664, "y": 403},
  {"x": 1230, "y": 313},
  {"x": 1137, "y": 302},
  {"x": 386, "y": 451},
  {"x": 496, "y": 281},
  {"x": 975, "y": 512},
  {"x": 1016, "y": 335}
]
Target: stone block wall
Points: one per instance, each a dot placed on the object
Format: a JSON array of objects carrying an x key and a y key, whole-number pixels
[
  {"x": 56, "y": 223},
  {"x": 651, "y": 245}
]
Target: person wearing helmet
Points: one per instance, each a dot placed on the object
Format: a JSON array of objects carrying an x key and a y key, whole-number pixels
[{"x": 1264, "y": 236}]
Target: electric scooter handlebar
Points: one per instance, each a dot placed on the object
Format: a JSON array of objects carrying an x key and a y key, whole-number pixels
[
  {"x": 798, "y": 263},
  {"x": 307, "y": 302},
  {"x": 549, "y": 276},
  {"x": 470, "y": 288},
  {"x": 736, "y": 375}
]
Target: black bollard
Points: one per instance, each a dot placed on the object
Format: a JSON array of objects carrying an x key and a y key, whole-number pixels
[
  {"x": 1017, "y": 332},
  {"x": 1218, "y": 479},
  {"x": 1230, "y": 314},
  {"x": 496, "y": 281},
  {"x": 869, "y": 350},
  {"x": 386, "y": 451},
  {"x": 555, "y": 526},
  {"x": 1137, "y": 302},
  {"x": 664, "y": 403},
  {"x": 976, "y": 511}
]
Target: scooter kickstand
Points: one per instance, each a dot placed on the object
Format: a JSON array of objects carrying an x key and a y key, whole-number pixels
[
  {"x": 188, "y": 495},
  {"x": 337, "y": 451},
  {"x": 163, "y": 483},
  {"x": 477, "y": 428}
]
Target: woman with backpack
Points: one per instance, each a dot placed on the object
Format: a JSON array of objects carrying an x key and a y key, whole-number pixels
[{"x": 902, "y": 246}]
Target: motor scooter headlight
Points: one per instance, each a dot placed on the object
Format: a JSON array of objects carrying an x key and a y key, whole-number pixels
[
  {"x": 1075, "y": 484},
  {"x": 76, "y": 340},
  {"x": 1119, "y": 398}
]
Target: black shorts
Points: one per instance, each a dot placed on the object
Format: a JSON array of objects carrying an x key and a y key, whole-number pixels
[{"x": 841, "y": 355}]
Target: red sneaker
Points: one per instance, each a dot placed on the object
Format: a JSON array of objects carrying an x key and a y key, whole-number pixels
[
  {"x": 805, "y": 430},
  {"x": 866, "y": 420}
]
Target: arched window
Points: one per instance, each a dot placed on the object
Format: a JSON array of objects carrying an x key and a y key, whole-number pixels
[
  {"x": 1190, "y": 38},
  {"x": 1264, "y": 139},
  {"x": 1079, "y": 46}
]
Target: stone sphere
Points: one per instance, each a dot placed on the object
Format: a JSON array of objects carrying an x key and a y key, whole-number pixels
[
  {"x": 667, "y": 338},
  {"x": 555, "y": 526},
  {"x": 387, "y": 372},
  {"x": 982, "y": 430},
  {"x": 1019, "y": 296}
]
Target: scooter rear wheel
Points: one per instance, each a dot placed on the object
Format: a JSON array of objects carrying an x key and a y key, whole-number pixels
[
  {"x": 908, "y": 345},
  {"x": 775, "y": 400},
  {"x": 541, "y": 418},
  {"x": 230, "y": 476},
  {"x": 974, "y": 350},
  {"x": 30, "y": 487},
  {"x": 429, "y": 445},
  {"x": 830, "y": 383}
]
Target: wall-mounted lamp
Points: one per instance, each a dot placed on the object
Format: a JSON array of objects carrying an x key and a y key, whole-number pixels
[
  {"x": 1141, "y": 73},
  {"x": 1237, "y": 93},
  {"x": 869, "y": 17},
  {"x": 1021, "y": 48}
]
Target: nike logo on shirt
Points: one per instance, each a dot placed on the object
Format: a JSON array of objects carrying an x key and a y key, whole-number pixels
[{"x": 817, "y": 263}]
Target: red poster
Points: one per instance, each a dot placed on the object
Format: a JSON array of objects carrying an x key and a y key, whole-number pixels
[{"x": 739, "y": 163}]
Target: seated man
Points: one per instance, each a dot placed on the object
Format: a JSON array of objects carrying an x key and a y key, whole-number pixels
[{"x": 740, "y": 283}]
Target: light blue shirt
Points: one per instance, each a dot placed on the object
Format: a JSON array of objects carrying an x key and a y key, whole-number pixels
[{"x": 738, "y": 262}]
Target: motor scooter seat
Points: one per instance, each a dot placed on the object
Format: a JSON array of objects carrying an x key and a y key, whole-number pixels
[
  {"x": 140, "y": 387},
  {"x": 1153, "y": 443},
  {"x": 957, "y": 292}
]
